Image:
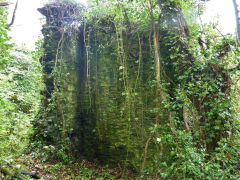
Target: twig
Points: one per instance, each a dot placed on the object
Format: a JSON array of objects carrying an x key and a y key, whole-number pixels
[
  {"x": 4, "y": 3},
  {"x": 13, "y": 17}
]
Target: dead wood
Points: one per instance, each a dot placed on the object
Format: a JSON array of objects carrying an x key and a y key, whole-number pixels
[
  {"x": 4, "y": 3},
  {"x": 13, "y": 17},
  {"x": 12, "y": 171}
]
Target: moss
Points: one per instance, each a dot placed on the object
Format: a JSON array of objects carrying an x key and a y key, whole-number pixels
[{"x": 107, "y": 115}]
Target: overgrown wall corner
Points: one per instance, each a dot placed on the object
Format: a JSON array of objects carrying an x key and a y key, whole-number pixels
[{"x": 104, "y": 118}]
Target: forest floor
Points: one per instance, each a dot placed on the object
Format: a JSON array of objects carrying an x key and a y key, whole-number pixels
[{"x": 76, "y": 169}]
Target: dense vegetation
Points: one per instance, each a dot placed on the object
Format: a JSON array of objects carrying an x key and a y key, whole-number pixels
[
  {"x": 20, "y": 83},
  {"x": 142, "y": 86}
]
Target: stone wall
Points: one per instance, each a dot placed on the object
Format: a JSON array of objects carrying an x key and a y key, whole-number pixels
[{"x": 104, "y": 93}]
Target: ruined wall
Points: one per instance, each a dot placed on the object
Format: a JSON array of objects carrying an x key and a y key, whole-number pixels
[{"x": 107, "y": 106}]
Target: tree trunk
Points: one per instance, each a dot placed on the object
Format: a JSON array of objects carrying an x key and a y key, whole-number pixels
[
  {"x": 13, "y": 16},
  {"x": 235, "y": 5}
]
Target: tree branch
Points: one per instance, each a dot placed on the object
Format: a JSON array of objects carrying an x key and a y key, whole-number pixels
[
  {"x": 237, "y": 20},
  {"x": 13, "y": 17}
]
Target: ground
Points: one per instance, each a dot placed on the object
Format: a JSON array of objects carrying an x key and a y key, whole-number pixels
[{"x": 76, "y": 169}]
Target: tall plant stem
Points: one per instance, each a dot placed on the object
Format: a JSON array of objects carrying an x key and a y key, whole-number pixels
[
  {"x": 60, "y": 43},
  {"x": 159, "y": 89},
  {"x": 87, "y": 44}
]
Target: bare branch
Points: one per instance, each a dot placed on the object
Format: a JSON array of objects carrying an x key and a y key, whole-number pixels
[
  {"x": 4, "y": 3},
  {"x": 237, "y": 20},
  {"x": 13, "y": 17}
]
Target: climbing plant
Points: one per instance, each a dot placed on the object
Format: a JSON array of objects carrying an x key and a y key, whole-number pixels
[{"x": 142, "y": 83}]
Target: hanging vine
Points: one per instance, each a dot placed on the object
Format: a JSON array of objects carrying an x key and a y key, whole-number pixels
[
  {"x": 59, "y": 107},
  {"x": 150, "y": 90}
]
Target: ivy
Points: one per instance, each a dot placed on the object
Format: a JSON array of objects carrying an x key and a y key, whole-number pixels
[{"x": 144, "y": 84}]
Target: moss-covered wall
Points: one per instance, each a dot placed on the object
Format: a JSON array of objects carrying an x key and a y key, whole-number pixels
[{"x": 104, "y": 93}]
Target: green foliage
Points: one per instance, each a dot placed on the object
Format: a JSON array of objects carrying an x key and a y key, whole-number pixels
[
  {"x": 196, "y": 77},
  {"x": 112, "y": 102},
  {"x": 5, "y": 46},
  {"x": 188, "y": 161},
  {"x": 20, "y": 84}
]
